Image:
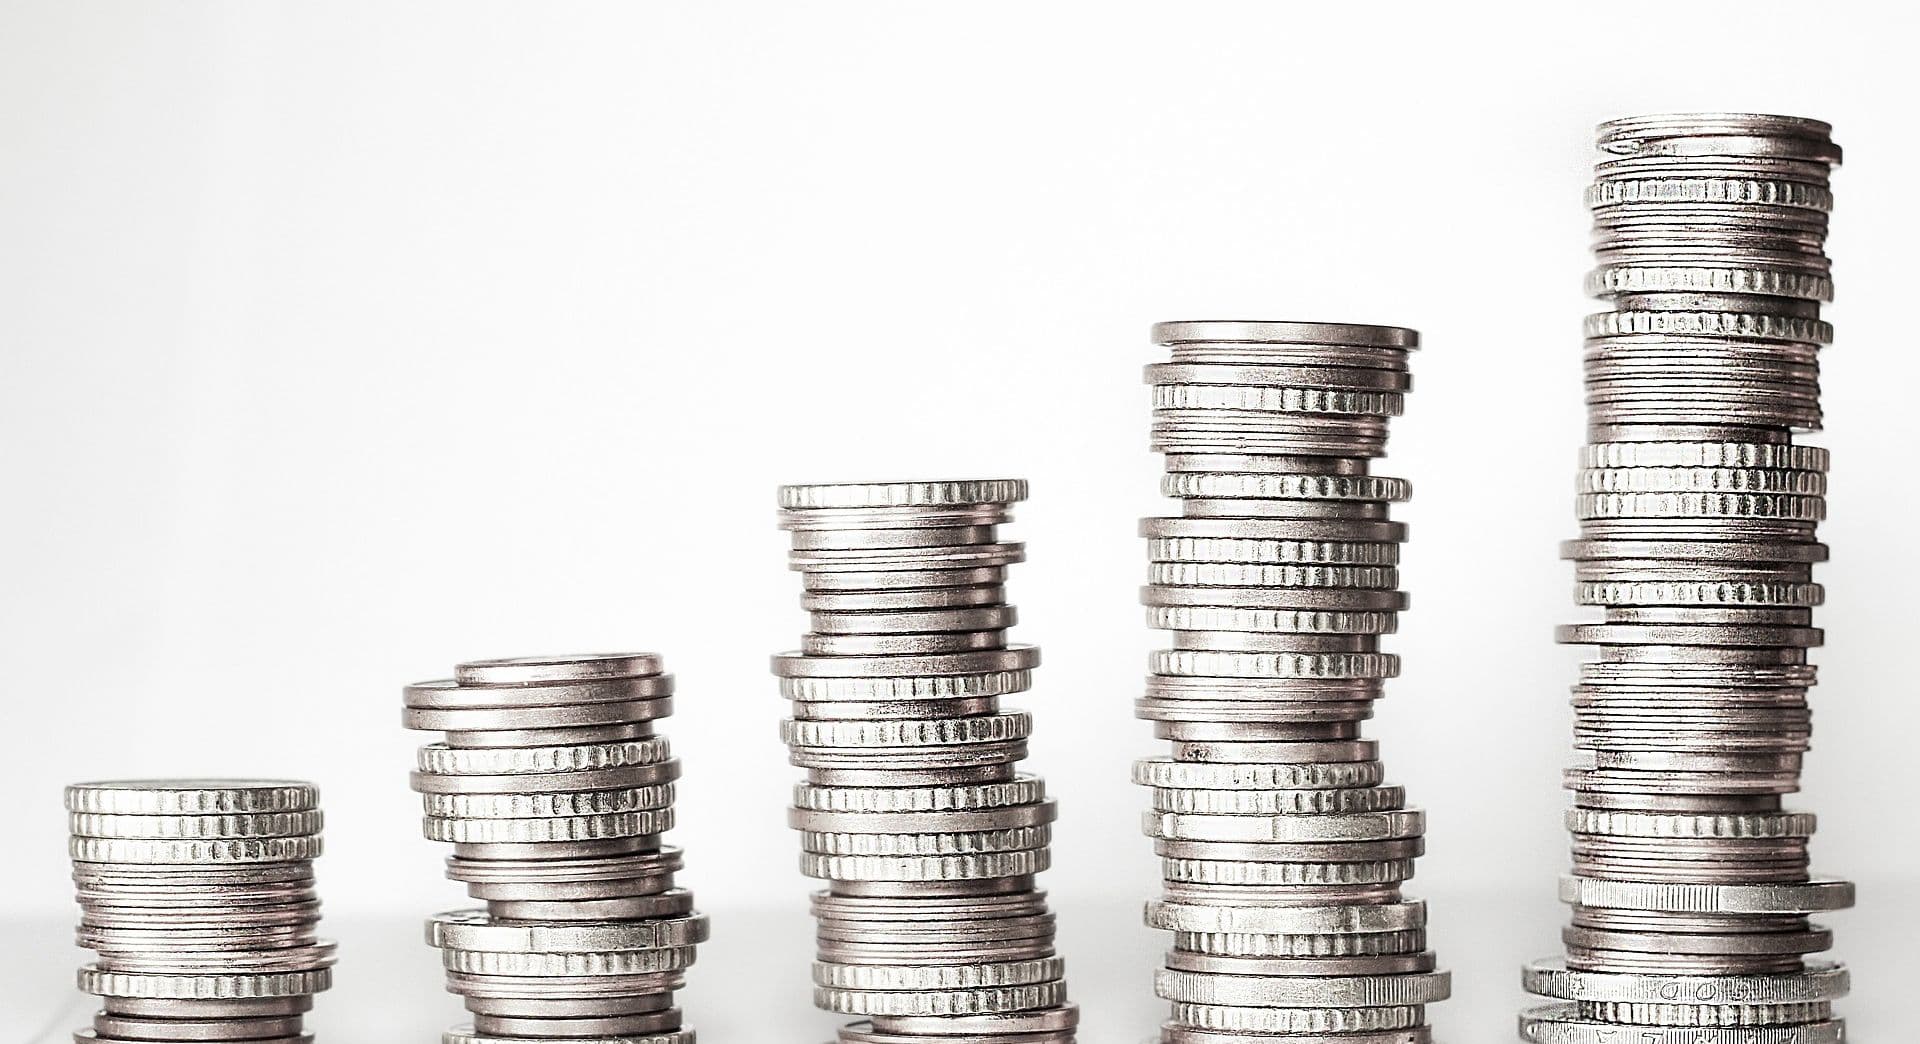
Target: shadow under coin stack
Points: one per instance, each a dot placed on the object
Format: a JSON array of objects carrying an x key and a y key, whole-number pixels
[
  {"x": 1282, "y": 850},
  {"x": 198, "y": 897},
  {"x": 913, "y": 810},
  {"x": 1690, "y": 888},
  {"x": 554, "y": 790}
]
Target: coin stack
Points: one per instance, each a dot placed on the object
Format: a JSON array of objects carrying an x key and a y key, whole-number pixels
[
  {"x": 554, "y": 790},
  {"x": 197, "y": 895},
  {"x": 1690, "y": 886},
  {"x": 913, "y": 810},
  {"x": 1282, "y": 849}
]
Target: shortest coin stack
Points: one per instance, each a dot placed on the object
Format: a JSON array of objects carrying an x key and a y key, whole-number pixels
[
  {"x": 198, "y": 898},
  {"x": 554, "y": 791}
]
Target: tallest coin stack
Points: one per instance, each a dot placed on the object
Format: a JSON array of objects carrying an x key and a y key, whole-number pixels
[
  {"x": 1690, "y": 888},
  {"x": 1282, "y": 850}
]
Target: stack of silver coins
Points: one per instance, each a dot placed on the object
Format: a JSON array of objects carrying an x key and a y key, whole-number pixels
[
  {"x": 1282, "y": 848},
  {"x": 1690, "y": 889},
  {"x": 555, "y": 791},
  {"x": 914, "y": 810},
  {"x": 197, "y": 896}
]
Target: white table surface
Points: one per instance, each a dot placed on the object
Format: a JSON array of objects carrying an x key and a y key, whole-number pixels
[{"x": 751, "y": 981}]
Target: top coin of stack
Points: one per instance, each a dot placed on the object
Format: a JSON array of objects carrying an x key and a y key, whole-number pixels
[
  {"x": 1282, "y": 848},
  {"x": 914, "y": 810},
  {"x": 554, "y": 790},
  {"x": 1691, "y": 891},
  {"x": 197, "y": 896}
]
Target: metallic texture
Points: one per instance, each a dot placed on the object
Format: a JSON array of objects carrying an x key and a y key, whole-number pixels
[
  {"x": 197, "y": 899},
  {"x": 914, "y": 810},
  {"x": 1282, "y": 848},
  {"x": 555, "y": 791},
  {"x": 1690, "y": 889}
]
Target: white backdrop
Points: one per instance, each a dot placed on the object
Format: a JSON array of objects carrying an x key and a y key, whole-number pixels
[{"x": 344, "y": 341}]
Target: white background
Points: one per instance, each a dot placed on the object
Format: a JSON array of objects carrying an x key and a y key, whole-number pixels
[{"x": 344, "y": 341}]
